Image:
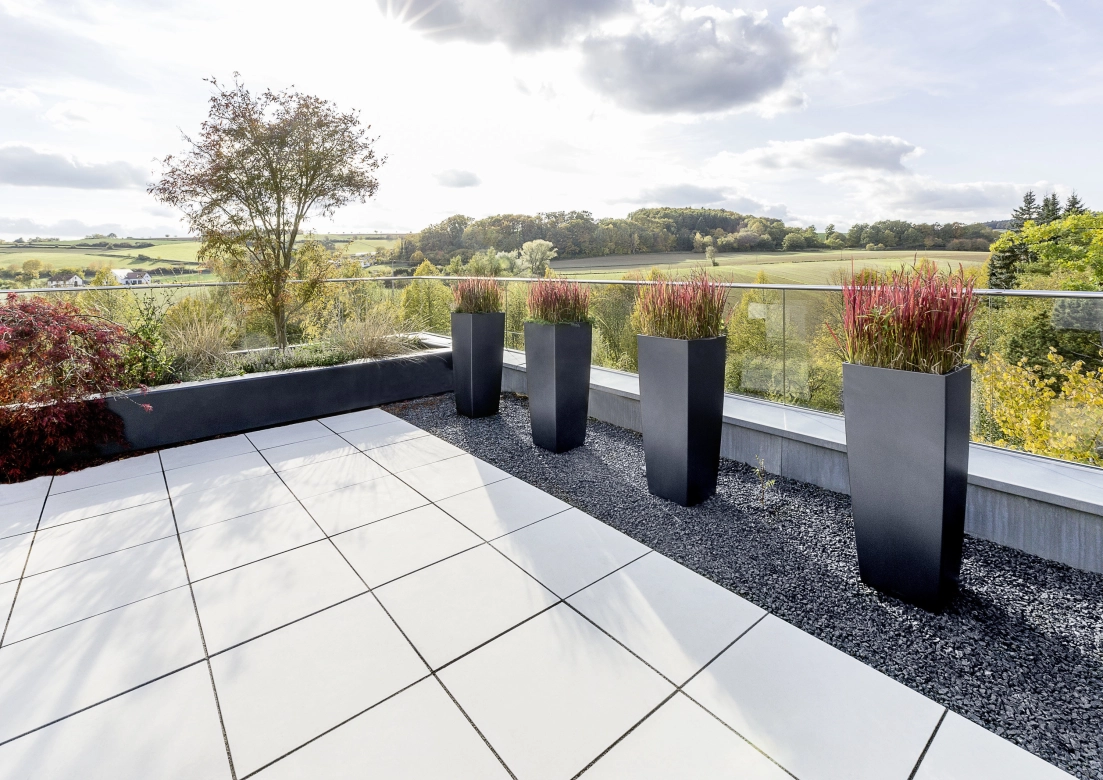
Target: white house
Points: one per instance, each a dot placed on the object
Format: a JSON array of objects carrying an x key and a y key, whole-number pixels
[
  {"x": 131, "y": 277},
  {"x": 65, "y": 280}
]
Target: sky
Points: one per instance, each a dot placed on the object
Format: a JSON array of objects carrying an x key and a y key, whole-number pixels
[{"x": 944, "y": 110}]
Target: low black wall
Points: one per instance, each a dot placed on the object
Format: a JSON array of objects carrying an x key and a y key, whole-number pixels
[{"x": 199, "y": 410}]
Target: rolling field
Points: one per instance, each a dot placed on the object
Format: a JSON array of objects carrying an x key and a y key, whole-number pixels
[{"x": 813, "y": 267}]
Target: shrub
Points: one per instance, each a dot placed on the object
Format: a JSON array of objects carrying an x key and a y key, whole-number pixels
[
  {"x": 477, "y": 296},
  {"x": 555, "y": 302},
  {"x": 682, "y": 310},
  {"x": 53, "y": 358},
  {"x": 917, "y": 321},
  {"x": 374, "y": 335}
]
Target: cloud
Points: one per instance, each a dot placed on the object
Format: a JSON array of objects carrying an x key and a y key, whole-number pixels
[
  {"x": 912, "y": 194},
  {"x": 74, "y": 228},
  {"x": 838, "y": 151},
  {"x": 34, "y": 50},
  {"x": 20, "y": 98},
  {"x": 683, "y": 59},
  {"x": 680, "y": 195},
  {"x": 523, "y": 25},
  {"x": 26, "y": 167},
  {"x": 458, "y": 179}
]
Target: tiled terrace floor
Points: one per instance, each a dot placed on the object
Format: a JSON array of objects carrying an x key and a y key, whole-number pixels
[{"x": 354, "y": 598}]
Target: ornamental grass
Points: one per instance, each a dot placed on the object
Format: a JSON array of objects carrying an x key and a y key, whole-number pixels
[
  {"x": 477, "y": 296},
  {"x": 910, "y": 321},
  {"x": 682, "y": 310},
  {"x": 559, "y": 302}
]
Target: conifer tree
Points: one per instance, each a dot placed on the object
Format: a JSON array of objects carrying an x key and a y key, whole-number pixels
[
  {"x": 1028, "y": 211},
  {"x": 1051, "y": 209},
  {"x": 1074, "y": 206}
]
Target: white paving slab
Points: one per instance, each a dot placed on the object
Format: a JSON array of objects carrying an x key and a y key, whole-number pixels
[
  {"x": 681, "y": 740},
  {"x": 309, "y": 452},
  {"x": 669, "y": 616},
  {"x": 20, "y": 518},
  {"x": 383, "y": 435},
  {"x": 413, "y": 453},
  {"x": 815, "y": 710},
  {"x": 55, "y": 674},
  {"x": 962, "y": 750},
  {"x": 61, "y": 545},
  {"x": 18, "y": 492},
  {"x": 62, "y": 596},
  {"x": 216, "y": 473},
  {"x": 501, "y": 507},
  {"x": 417, "y": 734},
  {"x": 356, "y": 505},
  {"x": 332, "y": 475},
  {"x": 398, "y": 545},
  {"x": 554, "y": 693},
  {"x": 353, "y": 420},
  {"x": 205, "y": 451},
  {"x": 107, "y": 472},
  {"x": 287, "y": 687},
  {"x": 216, "y": 548},
  {"x": 243, "y": 603},
  {"x": 288, "y": 434},
  {"x": 7, "y": 595},
  {"x": 167, "y": 730},
  {"x": 568, "y": 551},
  {"x": 454, "y": 606},
  {"x": 101, "y": 499},
  {"x": 206, "y": 507},
  {"x": 449, "y": 477},
  {"x": 13, "y": 556}
]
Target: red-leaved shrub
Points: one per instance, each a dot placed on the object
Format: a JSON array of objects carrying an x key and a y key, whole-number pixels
[
  {"x": 477, "y": 296},
  {"x": 682, "y": 310},
  {"x": 53, "y": 357},
  {"x": 556, "y": 302}
]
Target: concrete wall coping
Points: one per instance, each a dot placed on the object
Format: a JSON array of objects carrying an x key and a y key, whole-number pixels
[{"x": 1048, "y": 480}]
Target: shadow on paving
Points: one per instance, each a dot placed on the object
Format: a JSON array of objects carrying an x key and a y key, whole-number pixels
[{"x": 1019, "y": 650}]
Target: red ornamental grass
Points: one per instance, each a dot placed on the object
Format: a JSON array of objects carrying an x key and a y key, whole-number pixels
[
  {"x": 682, "y": 310},
  {"x": 555, "y": 302},
  {"x": 477, "y": 296},
  {"x": 917, "y": 321},
  {"x": 52, "y": 358}
]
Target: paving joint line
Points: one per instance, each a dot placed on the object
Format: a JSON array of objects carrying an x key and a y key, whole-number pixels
[
  {"x": 26, "y": 560},
  {"x": 930, "y": 741}
]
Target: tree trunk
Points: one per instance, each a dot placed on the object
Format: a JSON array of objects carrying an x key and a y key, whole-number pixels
[{"x": 279, "y": 317}]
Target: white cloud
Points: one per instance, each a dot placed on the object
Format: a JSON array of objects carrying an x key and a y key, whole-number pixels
[
  {"x": 20, "y": 98},
  {"x": 680, "y": 195},
  {"x": 838, "y": 151},
  {"x": 458, "y": 179},
  {"x": 27, "y": 167}
]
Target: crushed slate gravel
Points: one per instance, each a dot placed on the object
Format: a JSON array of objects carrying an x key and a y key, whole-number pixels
[{"x": 1019, "y": 650}]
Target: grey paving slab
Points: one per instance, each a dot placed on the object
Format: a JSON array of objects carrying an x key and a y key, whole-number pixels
[
  {"x": 454, "y": 606},
  {"x": 107, "y": 473},
  {"x": 216, "y": 473},
  {"x": 420, "y": 733},
  {"x": 501, "y": 507},
  {"x": 167, "y": 730},
  {"x": 365, "y": 418},
  {"x": 448, "y": 477},
  {"x": 383, "y": 435},
  {"x": 216, "y": 548},
  {"x": 206, "y": 507},
  {"x": 568, "y": 551},
  {"x": 962, "y": 750},
  {"x": 815, "y": 710},
  {"x": 20, "y": 518},
  {"x": 58, "y": 673},
  {"x": 671, "y": 617},
  {"x": 412, "y": 453},
  {"x": 243, "y": 603},
  {"x": 553, "y": 693},
  {"x": 288, "y": 434},
  {"x": 61, "y": 596},
  {"x": 332, "y": 475},
  {"x": 287, "y": 687},
  {"x": 309, "y": 452},
  {"x": 13, "y": 556},
  {"x": 356, "y": 505},
  {"x": 102, "y": 499},
  {"x": 681, "y": 740},
  {"x": 391, "y": 548},
  {"x": 205, "y": 451},
  {"x": 61, "y": 545}
]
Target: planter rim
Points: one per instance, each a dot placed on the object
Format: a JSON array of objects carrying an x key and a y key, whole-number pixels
[
  {"x": 668, "y": 338},
  {"x": 478, "y": 313},
  {"x": 573, "y": 323},
  {"x": 962, "y": 367}
]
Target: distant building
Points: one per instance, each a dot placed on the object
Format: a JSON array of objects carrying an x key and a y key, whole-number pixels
[
  {"x": 120, "y": 274},
  {"x": 131, "y": 278},
  {"x": 65, "y": 280}
]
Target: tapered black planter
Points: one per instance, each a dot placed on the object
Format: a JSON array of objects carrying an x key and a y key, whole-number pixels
[
  {"x": 682, "y": 403},
  {"x": 907, "y": 443},
  {"x": 477, "y": 344},
  {"x": 557, "y": 364}
]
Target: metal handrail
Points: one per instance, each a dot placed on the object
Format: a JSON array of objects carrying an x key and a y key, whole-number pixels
[{"x": 529, "y": 280}]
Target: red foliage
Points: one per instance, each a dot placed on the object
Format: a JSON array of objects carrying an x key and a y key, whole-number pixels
[
  {"x": 551, "y": 300},
  {"x": 53, "y": 359}
]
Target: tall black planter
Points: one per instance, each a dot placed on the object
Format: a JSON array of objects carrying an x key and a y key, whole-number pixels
[
  {"x": 907, "y": 443},
  {"x": 477, "y": 344},
  {"x": 682, "y": 403},
  {"x": 557, "y": 364}
]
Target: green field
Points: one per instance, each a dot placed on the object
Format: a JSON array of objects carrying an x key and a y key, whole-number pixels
[{"x": 811, "y": 267}]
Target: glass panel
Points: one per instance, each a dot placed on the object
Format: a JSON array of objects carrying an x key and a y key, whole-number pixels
[{"x": 813, "y": 366}]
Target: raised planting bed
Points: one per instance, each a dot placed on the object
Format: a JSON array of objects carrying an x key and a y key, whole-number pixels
[
  {"x": 214, "y": 407},
  {"x": 1016, "y": 649}
]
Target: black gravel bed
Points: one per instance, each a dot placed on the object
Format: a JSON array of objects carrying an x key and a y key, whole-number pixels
[{"x": 1019, "y": 650}]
